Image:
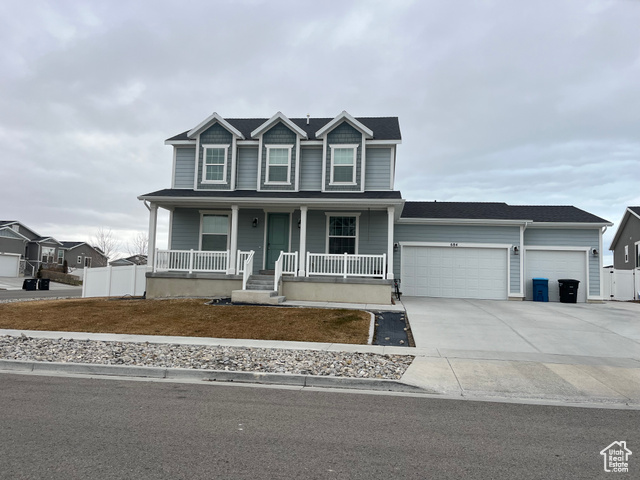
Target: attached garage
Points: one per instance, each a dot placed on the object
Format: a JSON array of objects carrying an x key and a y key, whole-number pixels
[
  {"x": 555, "y": 265},
  {"x": 463, "y": 271},
  {"x": 9, "y": 265}
]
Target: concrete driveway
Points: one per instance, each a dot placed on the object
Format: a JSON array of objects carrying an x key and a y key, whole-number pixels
[{"x": 580, "y": 352}]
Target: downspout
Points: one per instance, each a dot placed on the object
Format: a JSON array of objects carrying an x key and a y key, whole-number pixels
[{"x": 522, "y": 259}]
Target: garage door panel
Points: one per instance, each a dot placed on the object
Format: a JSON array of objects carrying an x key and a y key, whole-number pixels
[
  {"x": 554, "y": 265},
  {"x": 455, "y": 272}
]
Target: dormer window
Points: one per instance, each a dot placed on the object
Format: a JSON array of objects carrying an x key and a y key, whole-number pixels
[
  {"x": 343, "y": 164},
  {"x": 278, "y": 164},
  {"x": 214, "y": 168}
]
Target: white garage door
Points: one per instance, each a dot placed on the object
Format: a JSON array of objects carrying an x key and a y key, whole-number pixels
[
  {"x": 9, "y": 265},
  {"x": 454, "y": 272},
  {"x": 554, "y": 265}
]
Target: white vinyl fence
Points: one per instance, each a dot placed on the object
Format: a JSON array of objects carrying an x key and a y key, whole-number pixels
[
  {"x": 115, "y": 281},
  {"x": 620, "y": 284}
]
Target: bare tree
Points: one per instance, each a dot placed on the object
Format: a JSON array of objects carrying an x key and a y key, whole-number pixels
[
  {"x": 138, "y": 245},
  {"x": 106, "y": 241}
]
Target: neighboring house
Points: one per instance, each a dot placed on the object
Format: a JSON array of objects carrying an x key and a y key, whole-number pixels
[
  {"x": 314, "y": 198},
  {"x": 132, "y": 260},
  {"x": 626, "y": 242},
  {"x": 36, "y": 250},
  {"x": 80, "y": 254}
]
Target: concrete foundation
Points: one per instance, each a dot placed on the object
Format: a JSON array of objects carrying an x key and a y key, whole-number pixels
[
  {"x": 168, "y": 285},
  {"x": 331, "y": 289}
]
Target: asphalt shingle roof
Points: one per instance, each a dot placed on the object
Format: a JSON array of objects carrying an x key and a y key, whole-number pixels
[
  {"x": 499, "y": 211},
  {"x": 635, "y": 210},
  {"x": 71, "y": 244},
  {"x": 383, "y": 128}
]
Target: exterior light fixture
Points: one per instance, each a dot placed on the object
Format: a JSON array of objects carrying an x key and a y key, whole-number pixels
[
  {"x": 516, "y": 250},
  {"x": 254, "y": 224}
]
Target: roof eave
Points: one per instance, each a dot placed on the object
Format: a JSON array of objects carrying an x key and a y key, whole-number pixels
[
  {"x": 214, "y": 117},
  {"x": 462, "y": 221},
  {"x": 279, "y": 116},
  {"x": 340, "y": 118}
]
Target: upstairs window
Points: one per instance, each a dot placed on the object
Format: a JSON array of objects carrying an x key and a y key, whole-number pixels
[
  {"x": 215, "y": 231},
  {"x": 215, "y": 164},
  {"x": 342, "y": 234},
  {"x": 278, "y": 164},
  {"x": 343, "y": 164}
]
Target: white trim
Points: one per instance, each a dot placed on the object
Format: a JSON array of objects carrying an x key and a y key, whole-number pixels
[
  {"x": 264, "y": 244},
  {"x": 391, "y": 168},
  {"x": 170, "y": 239},
  {"x": 461, "y": 221},
  {"x": 342, "y": 214},
  {"x": 297, "y": 174},
  {"x": 258, "y": 180},
  {"x": 600, "y": 263},
  {"x": 363, "y": 163},
  {"x": 323, "y": 187},
  {"x": 176, "y": 143},
  {"x": 375, "y": 143},
  {"x": 339, "y": 119},
  {"x": 279, "y": 116},
  {"x": 545, "y": 247},
  {"x": 390, "y": 236},
  {"x": 288, "y": 148},
  {"x": 210, "y": 120},
  {"x": 354, "y": 148},
  {"x": 522, "y": 254},
  {"x": 213, "y": 146},
  {"x": 311, "y": 143},
  {"x": 247, "y": 143},
  {"x": 195, "y": 167},
  {"x": 234, "y": 161},
  {"x": 567, "y": 225},
  {"x": 173, "y": 169}
]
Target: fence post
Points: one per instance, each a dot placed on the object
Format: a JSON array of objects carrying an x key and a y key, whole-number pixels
[
  {"x": 296, "y": 267},
  {"x": 307, "y": 261},
  {"x": 109, "y": 280},
  {"x": 345, "y": 265},
  {"x": 84, "y": 282},
  {"x": 384, "y": 266},
  {"x": 191, "y": 261},
  {"x": 135, "y": 271}
]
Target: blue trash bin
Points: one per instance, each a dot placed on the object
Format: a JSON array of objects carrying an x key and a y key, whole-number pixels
[{"x": 540, "y": 289}]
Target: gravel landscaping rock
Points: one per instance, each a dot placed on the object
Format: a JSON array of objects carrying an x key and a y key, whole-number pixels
[{"x": 241, "y": 359}]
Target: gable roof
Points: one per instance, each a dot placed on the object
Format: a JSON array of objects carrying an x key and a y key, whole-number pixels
[
  {"x": 7, "y": 223},
  {"x": 628, "y": 214},
  {"x": 344, "y": 116},
  {"x": 499, "y": 211},
  {"x": 383, "y": 128},
  {"x": 70, "y": 245},
  {"x": 210, "y": 120},
  {"x": 9, "y": 232},
  {"x": 278, "y": 117}
]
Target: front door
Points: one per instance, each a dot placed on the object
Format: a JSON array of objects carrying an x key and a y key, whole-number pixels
[{"x": 277, "y": 237}]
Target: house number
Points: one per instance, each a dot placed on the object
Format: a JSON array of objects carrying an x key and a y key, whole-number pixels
[{"x": 454, "y": 244}]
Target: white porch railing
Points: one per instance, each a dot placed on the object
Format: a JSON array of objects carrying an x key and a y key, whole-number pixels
[
  {"x": 241, "y": 259},
  {"x": 191, "y": 261},
  {"x": 287, "y": 263},
  {"x": 247, "y": 268},
  {"x": 347, "y": 265}
]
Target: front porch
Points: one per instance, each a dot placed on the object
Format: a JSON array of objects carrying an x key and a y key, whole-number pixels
[{"x": 319, "y": 277}]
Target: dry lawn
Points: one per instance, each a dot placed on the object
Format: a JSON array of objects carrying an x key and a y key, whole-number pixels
[{"x": 188, "y": 318}]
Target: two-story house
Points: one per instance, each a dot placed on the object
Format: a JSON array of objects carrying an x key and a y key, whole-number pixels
[{"x": 311, "y": 202}]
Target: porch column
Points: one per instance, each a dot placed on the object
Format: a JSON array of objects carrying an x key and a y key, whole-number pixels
[
  {"x": 231, "y": 268},
  {"x": 303, "y": 241},
  {"x": 390, "y": 222},
  {"x": 153, "y": 222}
]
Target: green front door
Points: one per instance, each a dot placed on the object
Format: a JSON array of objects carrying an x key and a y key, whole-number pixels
[{"x": 277, "y": 237}]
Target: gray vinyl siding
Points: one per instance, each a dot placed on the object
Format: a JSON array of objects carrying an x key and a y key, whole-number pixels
[
  {"x": 378, "y": 169},
  {"x": 215, "y": 135},
  {"x": 12, "y": 245},
  {"x": 343, "y": 134},
  {"x": 185, "y": 165},
  {"x": 629, "y": 235},
  {"x": 461, "y": 234},
  {"x": 185, "y": 229},
  {"x": 250, "y": 238},
  {"x": 279, "y": 134},
  {"x": 311, "y": 169},
  {"x": 247, "y": 168},
  {"x": 564, "y": 237},
  {"x": 83, "y": 251}
]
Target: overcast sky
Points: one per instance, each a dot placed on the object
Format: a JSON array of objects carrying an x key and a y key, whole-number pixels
[{"x": 520, "y": 102}]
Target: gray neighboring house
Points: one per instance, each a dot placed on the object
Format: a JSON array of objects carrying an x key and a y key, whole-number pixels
[
  {"x": 132, "y": 260},
  {"x": 36, "y": 250},
  {"x": 80, "y": 254},
  {"x": 626, "y": 242},
  {"x": 313, "y": 199}
]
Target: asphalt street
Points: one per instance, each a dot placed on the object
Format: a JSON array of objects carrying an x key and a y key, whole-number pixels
[
  {"x": 68, "y": 428},
  {"x": 19, "y": 294}
]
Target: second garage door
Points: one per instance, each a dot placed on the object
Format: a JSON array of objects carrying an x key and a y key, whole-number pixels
[
  {"x": 554, "y": 265},
  {"x": 454, "y": 272}
]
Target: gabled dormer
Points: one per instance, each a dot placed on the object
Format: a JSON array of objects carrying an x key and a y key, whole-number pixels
[
  {"x": 344, "y": 154},
  {"x": 278, "y": 154},
  {"x": 215, "y": 159}
]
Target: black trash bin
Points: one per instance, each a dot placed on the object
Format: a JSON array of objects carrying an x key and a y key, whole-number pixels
[
  {"x": 568, "y": 290},
  {"x": 43, "y": 284},
  {"x": 30, "y": 284}
]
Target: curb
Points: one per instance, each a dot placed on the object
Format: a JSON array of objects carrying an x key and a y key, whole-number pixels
[{"x": 21, "y": 366}]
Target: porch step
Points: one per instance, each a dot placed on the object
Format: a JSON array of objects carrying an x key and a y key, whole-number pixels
[
  {"x": 269, "y": 297},
  {"x": 260, "y": 282}
]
